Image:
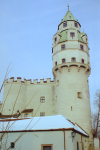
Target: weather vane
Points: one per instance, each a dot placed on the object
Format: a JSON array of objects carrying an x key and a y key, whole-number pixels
[{"x": 68, "y": 7}]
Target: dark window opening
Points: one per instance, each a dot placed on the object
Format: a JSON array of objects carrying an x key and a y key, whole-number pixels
[
  {"x": 79, "y": 94},
  {"x": 77, "y": 146},
  {"x": 55, "y": 39},
  {"x": 81, "y": 47},
  {"x": 62, "y": 46},
  {"x": 46, "y": 147},
  {"x": 73, "y": 59},
  {"x": 76, "y": 24},
  {"x": 52, "y": 49},
  {"x": 64, "y": 24},
  {"x": 63, "y": 60},
  {"x": 86, "y": 40},
  {"x": 72, "y": 34},
  {"x": 12, "y": 145},
  {"x": 56, "y": 63},
  {"x": 71, "y": 108},
  {"x": 82, "y": 61}
]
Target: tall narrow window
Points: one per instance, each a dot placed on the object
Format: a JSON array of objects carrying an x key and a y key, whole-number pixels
[
  {"x": 64, "y": 24},
  {"x": 82, "y": 61},
  {"x": 73, "y": 59},
  {"x": 77, "y": 146},
  {"x": 55, "y": 39},
  {"x": 42, "y": 99},
  {"x": 12, "y": 145},
  {"x": 72, "y": 34},
  {"x": 75, "y": 24},
  {"x": 81, "y": 47},
  {"x": 42, "y": 113},
  {"x": 63, "y": 60},
  {"x": 56, "y": 63},
  {"x": 62, "y": 46}
]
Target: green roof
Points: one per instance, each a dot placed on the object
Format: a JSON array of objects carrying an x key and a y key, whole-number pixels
[
  {"x": 63, "y": 36},
  {"x": 80, "y": 37},
  {"x": 68, "y": 16}
]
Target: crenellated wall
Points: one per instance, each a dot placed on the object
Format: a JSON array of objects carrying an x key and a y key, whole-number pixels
[{"x": 26, "y": 95}]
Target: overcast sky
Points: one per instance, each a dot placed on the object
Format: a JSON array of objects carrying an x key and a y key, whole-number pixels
[{"x": 26, "y": 31}]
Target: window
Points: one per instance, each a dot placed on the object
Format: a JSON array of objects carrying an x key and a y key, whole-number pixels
[
  {"x": 55, "y": 39},
  {"x": 73, "y": 59},
  {"x": 79, "y": 95},
  {"x": 64, "y": 24},
  {"x": 26, "y": 115},
  {"x": 82, "y": 61},
  {"x": 72, "y": 34},
  {"x": 46, "y": 146},
  {"x": 62, "y": 46},
  {"x": 77, "y": 146},
  {"x": 63, "y": 60},
  {"x": 86, "y": 40},
  {"x": 56, "y": 63},
  {"x": 42, "y": 99},
  {"x": 76, "y": 25},
  {"x": 42, "y": 113},
  {"x": 12, "y": 145},
  {"x": 81, "y": 47}
]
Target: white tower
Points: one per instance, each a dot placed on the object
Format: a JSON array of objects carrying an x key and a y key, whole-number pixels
[{"x": 71, "y": 68}]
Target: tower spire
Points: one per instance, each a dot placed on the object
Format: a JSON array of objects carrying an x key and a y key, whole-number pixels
[{"x": 68, "y": 7}]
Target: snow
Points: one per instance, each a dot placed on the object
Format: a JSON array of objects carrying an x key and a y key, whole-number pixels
[{"x": 39, "y": 123}]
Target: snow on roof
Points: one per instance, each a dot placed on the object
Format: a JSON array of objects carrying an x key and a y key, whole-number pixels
[{"x": 57, "y": 122}]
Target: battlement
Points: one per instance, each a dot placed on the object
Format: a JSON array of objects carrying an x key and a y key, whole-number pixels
[{"x": 27, "y": 81}]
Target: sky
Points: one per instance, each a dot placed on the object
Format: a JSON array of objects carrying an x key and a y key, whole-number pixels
[{"x": 26, "y": 32}]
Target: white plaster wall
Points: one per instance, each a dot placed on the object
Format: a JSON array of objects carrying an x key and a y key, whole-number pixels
[
  {"x": 69, "y": 84},
  {"x": 33, "y": 140}
]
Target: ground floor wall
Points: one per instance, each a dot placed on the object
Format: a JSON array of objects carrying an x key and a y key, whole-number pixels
[{"x": 58, "y": 140}]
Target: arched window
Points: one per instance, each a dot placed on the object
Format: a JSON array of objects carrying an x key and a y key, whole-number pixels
[{"x": 73, "y": 59}]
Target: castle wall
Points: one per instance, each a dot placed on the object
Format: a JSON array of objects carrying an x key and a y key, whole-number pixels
[{"x": 20, "y": 95}]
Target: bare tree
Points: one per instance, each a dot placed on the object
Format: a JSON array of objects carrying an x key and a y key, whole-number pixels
[{"x": 96, "y": 115}]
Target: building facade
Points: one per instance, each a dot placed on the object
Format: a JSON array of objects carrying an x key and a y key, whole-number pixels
[{"x": 68, "y": 93}]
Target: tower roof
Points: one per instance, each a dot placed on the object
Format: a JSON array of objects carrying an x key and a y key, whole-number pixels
[{"x": 68, "y": 16}]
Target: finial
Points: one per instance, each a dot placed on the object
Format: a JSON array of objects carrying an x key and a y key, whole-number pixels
[
  {"x": 68, "y": 7},
  {"x": 83, "y": 30}
]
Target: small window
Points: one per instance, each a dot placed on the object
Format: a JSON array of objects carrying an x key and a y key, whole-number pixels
[
  {"x": 55, "y": 39},
  {"x": 56, "y": 63},
  {"x": 42, "y": 113},
  {"x": 42, "y": 99},
  {"x": 64, "y": 24},
  {"x": 81, "y": 47},
  {"x": 26, "y": 115},
  {"x": 62, "y": 46},
  {"x": 73, "y": 59},
  {"x": 69, "y": 16},
  {"x": 86, "y": 40},
  {"x": 12, "y": 145},
  {"x": 71, "y": 108},
  {"x": 46, "y": 146},
  {"x": 79, "y": 94},
  {"x": 82, "y": 61},
  {"x": 63, "y": 60},
  {"x": 72, "y": 34},
  {"x": 75, "y": 24}
]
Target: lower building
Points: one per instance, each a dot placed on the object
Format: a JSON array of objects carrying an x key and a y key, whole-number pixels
[{"x": 43, "y": 133}]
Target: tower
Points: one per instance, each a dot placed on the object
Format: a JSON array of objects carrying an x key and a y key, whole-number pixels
[{"x": 71, "y": 68}]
